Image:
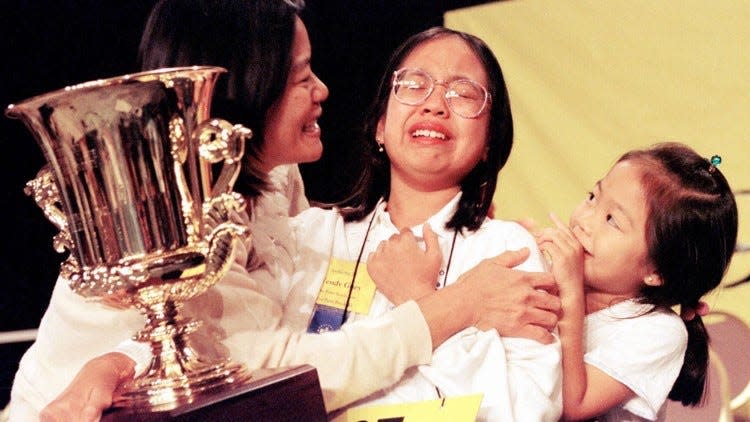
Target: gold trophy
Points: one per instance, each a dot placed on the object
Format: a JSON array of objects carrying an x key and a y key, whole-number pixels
[{"x": 139, "y": 182}]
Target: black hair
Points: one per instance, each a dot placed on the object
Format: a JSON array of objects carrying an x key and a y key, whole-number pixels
[
  {"x": 251, "y": 39},
  {"x": 479, "y": 185},
  {"x": 691, "y": 232}
]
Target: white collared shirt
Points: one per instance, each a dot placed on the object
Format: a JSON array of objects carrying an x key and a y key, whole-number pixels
[{"x": 520, "y": 378}]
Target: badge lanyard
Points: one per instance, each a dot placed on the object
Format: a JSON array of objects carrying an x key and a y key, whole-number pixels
[
  {"x": 356, "y": 268},
  {"x": 359, "y": 257}
]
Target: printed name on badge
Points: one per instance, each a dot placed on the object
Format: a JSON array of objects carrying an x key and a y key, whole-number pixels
[{"x": 337, "y": 283}]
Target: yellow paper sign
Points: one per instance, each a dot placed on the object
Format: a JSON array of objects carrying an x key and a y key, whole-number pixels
[
  {"x": 335, "y": 288},
  {"x": 448, "y": 409}
]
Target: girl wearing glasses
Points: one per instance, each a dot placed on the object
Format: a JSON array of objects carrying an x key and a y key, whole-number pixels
[
  {"x": 439, "y": 131},
  {"x": 432, "y": 157}
]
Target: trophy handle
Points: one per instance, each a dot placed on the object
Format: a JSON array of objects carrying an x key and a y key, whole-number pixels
[
  {"x": 225, "y": 230},
  {"x": 47, "y": 196},
  {"x": 219, "y": 140}
]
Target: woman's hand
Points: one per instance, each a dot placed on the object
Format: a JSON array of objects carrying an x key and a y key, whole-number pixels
[
  {"x": 92, "y": 390},
  {"x": 516, "y": 303},
  {"x": 493, "y": 295},
  {"x": 401, "y": 270}
]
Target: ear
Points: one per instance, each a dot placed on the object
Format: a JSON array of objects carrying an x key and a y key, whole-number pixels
[
  {"x": 652, "y": 280},
  {"x": 379, "y": 130}
]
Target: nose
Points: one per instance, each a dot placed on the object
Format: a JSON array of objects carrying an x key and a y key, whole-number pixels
[
  {"x": 436, "y": 103},
  {"x": 321, "y": 90}
]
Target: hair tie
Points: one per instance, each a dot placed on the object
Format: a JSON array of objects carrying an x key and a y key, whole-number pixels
[
  {"x": 713, "y": 163},
  {"x": 688, "y": 313}
]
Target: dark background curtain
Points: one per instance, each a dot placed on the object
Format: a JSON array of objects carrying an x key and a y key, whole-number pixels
[{"x": 48, "y": 44}]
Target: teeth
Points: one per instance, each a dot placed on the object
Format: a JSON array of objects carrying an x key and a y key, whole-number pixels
[
  {"x": 311, "y": 127},
  {"x": 428, "y": 134}
]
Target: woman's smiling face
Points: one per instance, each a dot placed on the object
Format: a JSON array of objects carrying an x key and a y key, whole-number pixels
[{"x": 292, "y": 134}]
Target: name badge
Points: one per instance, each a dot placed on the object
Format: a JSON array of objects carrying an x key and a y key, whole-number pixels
[
  {"x": 336, "y": 290},
  {"x": 448, "y": 409}
]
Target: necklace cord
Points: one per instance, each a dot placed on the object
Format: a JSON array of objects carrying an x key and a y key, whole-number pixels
[
  {"x": 450, "y": 257},
  {"x": 359, "y": 259},
  {"x": 356, "y": 267}
]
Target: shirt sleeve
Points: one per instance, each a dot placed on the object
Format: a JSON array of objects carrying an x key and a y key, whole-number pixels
[
  {"x": 72, "y": 331},
  {"x": 519, "y": 378},
  {"x": 534, "y": 379},
  {"x": 645, "y": 354},
  {"x": 353, "y": 362}
]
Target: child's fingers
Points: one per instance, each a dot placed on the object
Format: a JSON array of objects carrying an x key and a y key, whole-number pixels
[
  {"x": 567, "y": 232},
  {"x": 558, "y": 222},
  {"x": 558, "y": 247},
  {"x": 551, "y": 253},
  {"x": 545, "y": 234},
  {"x": 556, "y": 236}
]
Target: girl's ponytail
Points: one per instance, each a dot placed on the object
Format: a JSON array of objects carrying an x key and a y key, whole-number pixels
[{"x": 691, "y": 383}]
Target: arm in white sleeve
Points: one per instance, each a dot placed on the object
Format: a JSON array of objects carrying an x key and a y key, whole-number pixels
[
  {"x": 518, "y": 378},
  {"x": 534, "y": 371},
  {"x": 72, "y": 331},
  {"x": 534, "y": 379},
  {"x": 353, "y": 362}
]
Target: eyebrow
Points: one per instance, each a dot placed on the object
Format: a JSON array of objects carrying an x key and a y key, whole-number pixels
[
  {"x": 459, "y": 77},
  {"x": 617, "y": 204},
  {"x": 300, "y": 64},
  {"x": 452, "y": 77}
]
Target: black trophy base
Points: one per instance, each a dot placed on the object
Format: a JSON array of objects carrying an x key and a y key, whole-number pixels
[{"x": 284, "y": 394}]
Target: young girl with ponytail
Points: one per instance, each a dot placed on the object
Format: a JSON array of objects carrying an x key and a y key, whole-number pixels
[{"x": 657, "y": 232}]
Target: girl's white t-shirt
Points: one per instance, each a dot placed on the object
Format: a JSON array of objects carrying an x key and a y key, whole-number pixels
[{"x": 640, "y": 348}]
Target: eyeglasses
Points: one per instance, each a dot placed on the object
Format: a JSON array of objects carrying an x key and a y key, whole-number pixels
[{"x": 464, "y": 97}]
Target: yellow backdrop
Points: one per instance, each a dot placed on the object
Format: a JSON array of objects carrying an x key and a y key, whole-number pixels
[{"x": 591, "y": 79}]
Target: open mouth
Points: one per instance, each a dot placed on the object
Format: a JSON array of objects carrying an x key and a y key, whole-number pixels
[
  {"x": 424, "y": 133},
  {"x": 311, "y": 127}
]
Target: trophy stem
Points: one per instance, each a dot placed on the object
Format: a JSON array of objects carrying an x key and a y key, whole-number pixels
[{"x": 177, "y": 374}]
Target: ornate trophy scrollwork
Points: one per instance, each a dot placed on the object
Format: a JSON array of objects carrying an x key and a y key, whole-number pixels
[{"x": 132, "y": 184}]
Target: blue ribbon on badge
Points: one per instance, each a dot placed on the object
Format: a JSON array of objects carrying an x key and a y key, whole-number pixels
[{"x": 325, "y": 318}]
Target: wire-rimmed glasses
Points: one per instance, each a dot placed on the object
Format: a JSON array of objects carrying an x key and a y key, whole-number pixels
[{"x": 464, "y": 97}]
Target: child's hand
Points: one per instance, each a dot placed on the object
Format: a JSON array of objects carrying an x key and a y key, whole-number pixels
[
  {"x": 564, "y": 254},
  {"x": 402, "y": 270}
]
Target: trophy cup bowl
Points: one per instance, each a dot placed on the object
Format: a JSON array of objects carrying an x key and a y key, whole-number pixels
[{"x": 139, "y": 182}]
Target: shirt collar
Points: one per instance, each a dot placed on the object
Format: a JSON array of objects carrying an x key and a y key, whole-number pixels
[{"x": 436, "y": 221}]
